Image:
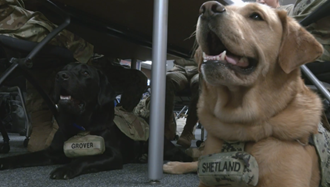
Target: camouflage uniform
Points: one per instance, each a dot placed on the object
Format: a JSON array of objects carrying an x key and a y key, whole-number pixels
[
  {"x": 17, "y": 22},
  {"x": 320, "y": 30},
  {"x": 132, "y": 125},
  {"x": 184, "y": 75}
]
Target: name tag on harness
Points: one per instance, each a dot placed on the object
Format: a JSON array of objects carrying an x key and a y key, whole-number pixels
[
  {"x": 228, "y": 168},
  {"x": 84, "y": 144}
]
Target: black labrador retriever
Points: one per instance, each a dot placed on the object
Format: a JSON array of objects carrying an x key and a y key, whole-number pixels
[{"x": 85, "y": 101}]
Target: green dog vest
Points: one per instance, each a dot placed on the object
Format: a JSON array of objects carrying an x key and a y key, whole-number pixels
[
  {"x": 232, "y": 167},
  {"x": 235, "y": 167},
  {"x": 322, "y": 146},
  {"x": 84, "y": 144}
]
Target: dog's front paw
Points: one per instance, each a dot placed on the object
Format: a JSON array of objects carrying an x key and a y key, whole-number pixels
[
  {"x": 65, "y": 172},
  {"x": 173, "y": 168},
  {"x": 5, "y": 163}
]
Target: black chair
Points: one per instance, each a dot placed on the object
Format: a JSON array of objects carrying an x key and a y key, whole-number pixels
[
  {"x": 17, "y": 57},
  {"x": 182, "y": 100}
]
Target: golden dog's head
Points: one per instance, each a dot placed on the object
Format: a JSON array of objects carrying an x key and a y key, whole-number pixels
[{"x": 240, "y": 43}]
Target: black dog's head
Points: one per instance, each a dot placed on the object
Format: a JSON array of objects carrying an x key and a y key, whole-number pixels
[{"x": 79, "y": 88}]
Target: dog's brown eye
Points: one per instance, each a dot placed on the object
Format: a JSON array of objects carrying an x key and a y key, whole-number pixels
[{"x": 256, "y": 16}]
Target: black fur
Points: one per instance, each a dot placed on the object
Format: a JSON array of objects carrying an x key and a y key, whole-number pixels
[{"x": 91, "y": 107}]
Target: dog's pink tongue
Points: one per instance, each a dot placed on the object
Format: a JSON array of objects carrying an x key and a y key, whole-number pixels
[{"x": 237, "y": 61}]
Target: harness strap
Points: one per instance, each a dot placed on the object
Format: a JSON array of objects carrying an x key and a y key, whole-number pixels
[
  {"x": 322, "y": 146},
  {"x": 233, "y": 146}
]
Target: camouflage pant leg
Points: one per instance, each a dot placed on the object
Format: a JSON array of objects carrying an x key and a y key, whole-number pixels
[
  {"x": 45, "y": 78},
  {"x": 43, "y": 128},
  {"x": 132, "y": 92},
  {"x": 192, "y": 110},
  {"x": 130, "y": 83}
]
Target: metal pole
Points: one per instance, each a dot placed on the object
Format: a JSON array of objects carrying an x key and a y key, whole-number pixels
[
  {"x": 133, "y": 63},
  {"x": 316, "y": 82},
  {"x": 158, "y": 81},
  {"x": 12, "y": 67}
]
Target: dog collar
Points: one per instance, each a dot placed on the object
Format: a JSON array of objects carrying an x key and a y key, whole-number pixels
[{"x": 79, "y": 127}]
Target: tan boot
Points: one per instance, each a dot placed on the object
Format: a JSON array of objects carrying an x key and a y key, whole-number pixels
[
  {"x": 43, "y": 130},
  {"x": 195, "y": 152},
  {"x": 185, "y": 139}
]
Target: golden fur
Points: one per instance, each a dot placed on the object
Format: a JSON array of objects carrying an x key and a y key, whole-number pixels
[{"x": 270, "y": 108}]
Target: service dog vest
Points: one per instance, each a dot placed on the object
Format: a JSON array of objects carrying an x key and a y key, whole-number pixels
[
  {"x": 235, "y": 167},
  {"x": 322, "y": 146},
  {"x": 84, "y": 144},
  {"x": 232, "y": 167}
]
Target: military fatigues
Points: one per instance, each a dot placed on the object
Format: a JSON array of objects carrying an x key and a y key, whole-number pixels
[
  {"x": 184, "y": 75},
  {"x": 17, "y": 22},
  {"x": 320, "y": 30},
  {"x": 132, "y": 125}
]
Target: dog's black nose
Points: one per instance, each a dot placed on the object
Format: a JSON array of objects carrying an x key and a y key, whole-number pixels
[
  {"x": 211, "y": 8},
  {"x": 62, "y": 76}
]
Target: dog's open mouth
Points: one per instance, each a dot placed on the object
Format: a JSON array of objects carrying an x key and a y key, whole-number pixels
[
  {"x": 65, "y": 97},
  {"x": 215, "y": 51}
]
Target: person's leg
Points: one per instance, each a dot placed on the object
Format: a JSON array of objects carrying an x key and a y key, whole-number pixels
[
  {"x": 43, "y": 128},
  {"x": 187, "y": 133},
  {"x": 175, "y": 81},
  {"x": 136, "y": 85},
  {"x": 129, "y": 83}
]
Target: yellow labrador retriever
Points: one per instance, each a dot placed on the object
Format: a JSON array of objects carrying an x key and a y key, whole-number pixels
[{"x": 252, "y": 91}]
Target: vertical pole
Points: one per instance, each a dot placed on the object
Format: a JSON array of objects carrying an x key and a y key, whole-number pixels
[
  {"x": 133, "y": 63},
  {"x": 158, "y": 81}
]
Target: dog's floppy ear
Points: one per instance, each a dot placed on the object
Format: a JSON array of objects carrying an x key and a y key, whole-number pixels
[
  {"x": 106, "y": 93},
  {"x": 199, "y": 57},
  {"x": 298, "y": 46}
]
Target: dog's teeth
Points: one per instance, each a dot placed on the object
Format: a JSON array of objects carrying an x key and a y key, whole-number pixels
[
  {"x": 223, "y": 55},
  {"x": 65, "y": 97},
  {"x": 209, "y": 57}
]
